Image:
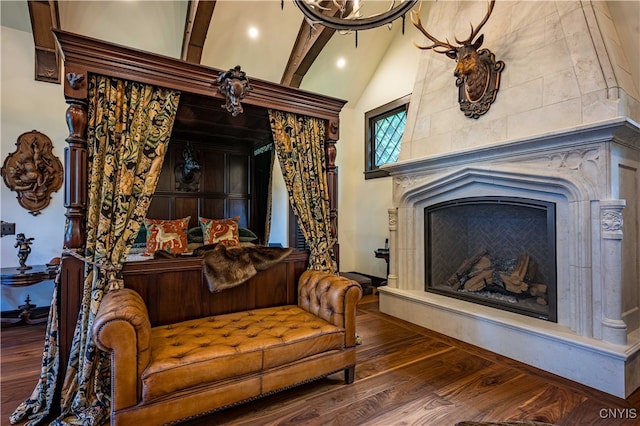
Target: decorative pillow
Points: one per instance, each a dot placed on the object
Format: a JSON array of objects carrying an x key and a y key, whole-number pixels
[
  {"x": 168, "y": 235},
  {"x": 223, "y": 231},
  {"x": 141, "y": 238},
  {"x": 194, "y": 235},
  {"x": 246, "y": 235}
]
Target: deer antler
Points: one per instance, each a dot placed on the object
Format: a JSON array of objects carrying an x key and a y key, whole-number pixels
[
  {"x": 437, "y": 45},
  {"x": 474, "y": 32}
]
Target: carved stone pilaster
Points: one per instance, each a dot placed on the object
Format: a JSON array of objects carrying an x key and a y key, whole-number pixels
[
  {"x": 614, "y": 329},
  {"x": 392, "y": 278}
]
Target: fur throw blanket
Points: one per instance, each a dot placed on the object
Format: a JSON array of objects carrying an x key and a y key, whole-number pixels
[{"x": 226, "y": 267}]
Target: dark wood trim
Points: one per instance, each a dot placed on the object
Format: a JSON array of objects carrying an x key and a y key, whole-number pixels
[
  {"x": 196, "y": 28},
  {"x": 44, "y": 16},
  {"x": 84, "y": 55}
]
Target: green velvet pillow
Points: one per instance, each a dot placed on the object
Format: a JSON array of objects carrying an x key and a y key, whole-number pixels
[
  {"x": 141, "y": 238},
  {"x": 194, "y": 235},
  {"x": 246, "y": 235}
]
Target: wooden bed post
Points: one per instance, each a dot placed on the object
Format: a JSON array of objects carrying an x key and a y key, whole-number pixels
[
  {"x": 75, "y": 201},
  {"x": 332, "y": 182}
]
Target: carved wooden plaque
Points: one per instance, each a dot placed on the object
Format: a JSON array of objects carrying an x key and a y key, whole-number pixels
[{"x": 33, "y": 171}]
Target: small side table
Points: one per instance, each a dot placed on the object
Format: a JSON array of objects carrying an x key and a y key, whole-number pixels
[
  {"x": 382, "y": 253},
  {"x": 15, "y": 277}
]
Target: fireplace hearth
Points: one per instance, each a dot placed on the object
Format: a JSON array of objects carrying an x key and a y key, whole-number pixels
[{"x": 495, "y": 251}]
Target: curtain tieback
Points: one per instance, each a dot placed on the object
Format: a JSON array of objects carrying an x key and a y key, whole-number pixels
[{"x": 113, "y": 282}]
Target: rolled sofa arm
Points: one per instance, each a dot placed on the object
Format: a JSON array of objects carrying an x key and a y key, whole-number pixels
[
  {"x": 122, "y": 328},
  {"x": 332, "y": 298}
]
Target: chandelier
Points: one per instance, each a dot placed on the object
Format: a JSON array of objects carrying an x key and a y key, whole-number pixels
[{"x": 354, "y": 15}]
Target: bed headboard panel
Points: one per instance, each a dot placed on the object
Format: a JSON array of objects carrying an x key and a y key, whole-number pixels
[{"x": 221, "y": 188}]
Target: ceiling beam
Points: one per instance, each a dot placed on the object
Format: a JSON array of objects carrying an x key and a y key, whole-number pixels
[
  {"x": 44, "y": 16},
  {"x": 309, "y": 43},
  {"x": 198, "y": 19}
]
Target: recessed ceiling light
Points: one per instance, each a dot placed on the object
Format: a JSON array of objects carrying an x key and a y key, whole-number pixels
[
  {"x": 341, "y": 63},
  {"x": 253, "y": 32}
]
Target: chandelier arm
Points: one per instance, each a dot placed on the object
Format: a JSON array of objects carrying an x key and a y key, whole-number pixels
[{"x": 354, "y": 24}]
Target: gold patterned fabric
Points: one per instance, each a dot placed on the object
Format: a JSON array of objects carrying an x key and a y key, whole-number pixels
[
  {"x": 299, "y": 142},
  {"x": 128, "y": 130}
]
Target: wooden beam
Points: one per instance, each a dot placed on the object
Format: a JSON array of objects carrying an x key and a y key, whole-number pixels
[
  {"x": 198, "y": 19},
  {"x": 308, "y": 45},
  {"x": 44, "y": 17}
]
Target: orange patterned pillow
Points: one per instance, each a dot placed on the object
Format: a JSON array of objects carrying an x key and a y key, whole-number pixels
[
  {"x": 223, "y": 231},
  {"x": 169, "y": 235}
]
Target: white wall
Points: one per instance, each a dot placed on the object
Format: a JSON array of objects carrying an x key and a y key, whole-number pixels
[
  {"x": 29, "y": 105},
  {"x": 363, "y": 222},
  {"x": 279, "y": 207},
  {"x": 146, "y": 25}
]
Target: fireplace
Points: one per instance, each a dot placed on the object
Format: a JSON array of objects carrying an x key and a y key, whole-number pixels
[
  {"x": 495, "y": 251},
  {"x": 556, "y": 199}
]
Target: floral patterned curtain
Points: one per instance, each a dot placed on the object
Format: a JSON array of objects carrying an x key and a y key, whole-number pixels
[
  {"x": 299, "y": 142},
  {"x": 128, "y": 132}
]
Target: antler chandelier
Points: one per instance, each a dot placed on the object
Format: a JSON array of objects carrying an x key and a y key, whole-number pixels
[{"x": 354, "y": 15}]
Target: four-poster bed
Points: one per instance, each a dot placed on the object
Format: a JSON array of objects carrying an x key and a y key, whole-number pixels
[{"x": 173, "y": 289}]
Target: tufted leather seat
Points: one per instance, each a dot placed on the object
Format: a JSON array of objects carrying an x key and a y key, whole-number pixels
[
  {"x": 204, "y": 350},
  {"x": 169, "y": 373}
]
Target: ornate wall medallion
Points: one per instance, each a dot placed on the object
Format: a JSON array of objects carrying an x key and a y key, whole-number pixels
[
  {"x": 234, "y": 85},
  {"x": 33, "y": 171}
]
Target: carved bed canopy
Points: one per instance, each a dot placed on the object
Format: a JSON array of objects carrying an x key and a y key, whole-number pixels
[{"x": 84, "y": 56}]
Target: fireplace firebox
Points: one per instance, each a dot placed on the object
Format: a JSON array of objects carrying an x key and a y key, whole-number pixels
[{"x": 495, "y": 251}]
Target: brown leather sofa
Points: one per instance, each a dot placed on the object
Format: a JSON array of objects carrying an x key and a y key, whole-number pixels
[{"x": 173, "y": 372}]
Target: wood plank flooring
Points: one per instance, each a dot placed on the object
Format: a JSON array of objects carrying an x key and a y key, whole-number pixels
[{"x": 405, "y": 375}]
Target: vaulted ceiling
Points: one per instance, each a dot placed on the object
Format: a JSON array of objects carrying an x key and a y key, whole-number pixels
[{"x": 215, "y": 33}]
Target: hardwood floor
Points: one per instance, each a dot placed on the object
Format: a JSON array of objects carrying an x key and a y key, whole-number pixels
[{"x": 405, "y": 375}]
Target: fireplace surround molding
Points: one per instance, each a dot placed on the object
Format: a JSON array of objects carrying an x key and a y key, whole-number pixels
[{"x": 592, "y": 175}]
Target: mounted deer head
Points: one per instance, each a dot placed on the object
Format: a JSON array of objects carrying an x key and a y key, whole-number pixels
[
  {"x": 187, "y": 173},
  {"x": 477, "y": 72}
]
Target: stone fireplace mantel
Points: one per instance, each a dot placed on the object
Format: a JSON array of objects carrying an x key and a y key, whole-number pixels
[{"x": 592, "y": 176}]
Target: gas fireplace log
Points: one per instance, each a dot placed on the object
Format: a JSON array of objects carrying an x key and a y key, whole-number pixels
[
  {"x": 521, "y": 267},
  {"x": 480, "y": 266},
  {"x": 465, "y": 267},
  {"x": 479, "y": 281},
  {"x": 513, "y": 284},
  {"x": 531, "y": 271},
  {"x": 538, "y": 289}
]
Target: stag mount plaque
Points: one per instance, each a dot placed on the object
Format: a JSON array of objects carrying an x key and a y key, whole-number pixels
[
  {"x": 477, "y": 72},
  {"x": 33, "y": 171}
]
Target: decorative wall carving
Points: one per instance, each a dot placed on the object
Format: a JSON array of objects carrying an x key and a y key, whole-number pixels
[
  {"x": 234, "y": 85},
  {"x": 33, "y": 171},
  {"x": 611, "y": 220}
]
